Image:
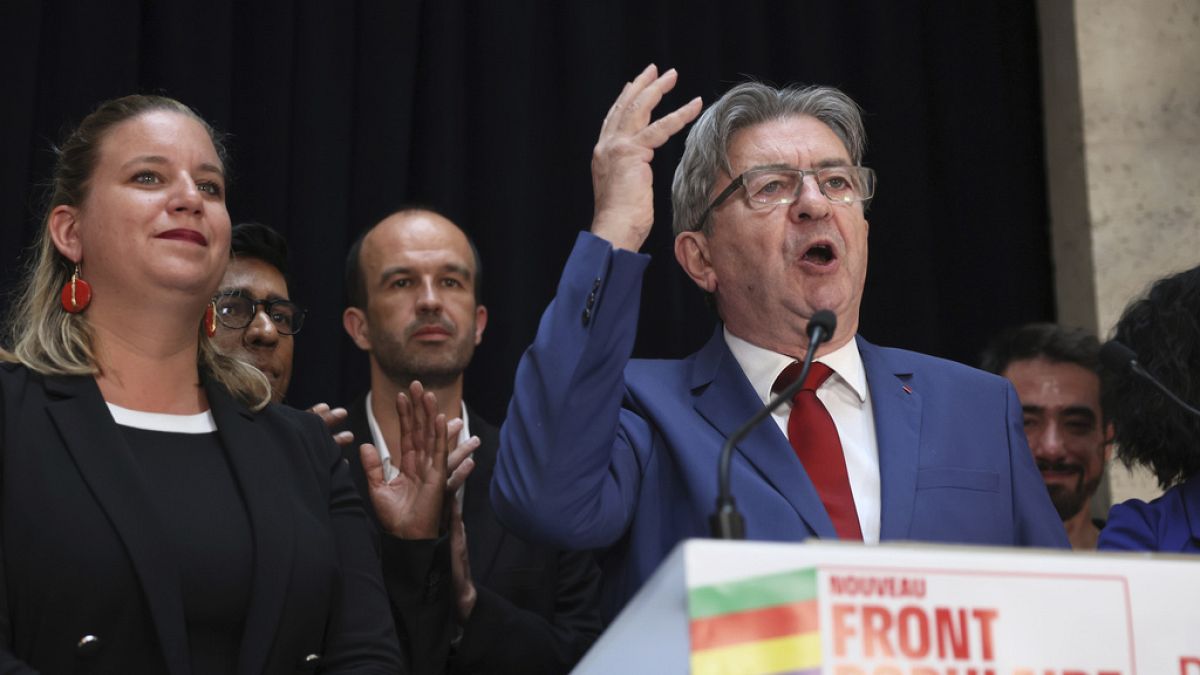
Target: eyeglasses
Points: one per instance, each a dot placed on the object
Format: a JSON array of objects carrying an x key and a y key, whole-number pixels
[
  {"x": 839, "y": 184},
  {"x": 237, "y": 311}
]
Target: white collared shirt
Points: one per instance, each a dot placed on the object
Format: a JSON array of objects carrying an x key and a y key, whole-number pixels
[
  {"x": 389, "y": 470},
  {"x": 848, "y": 399}
]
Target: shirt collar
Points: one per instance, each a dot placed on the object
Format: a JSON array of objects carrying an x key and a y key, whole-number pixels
[
  {"x": 381, "y": 444},
  {"x": 763, "y": 366}
]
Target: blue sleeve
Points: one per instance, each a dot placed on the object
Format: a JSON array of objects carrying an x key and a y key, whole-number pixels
[
  {"x": 1131, "y": 526},
  {"x": 568, "y": 468}
]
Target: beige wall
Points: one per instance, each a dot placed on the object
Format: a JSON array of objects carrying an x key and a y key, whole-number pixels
[{"x": 1121, "y": 85}]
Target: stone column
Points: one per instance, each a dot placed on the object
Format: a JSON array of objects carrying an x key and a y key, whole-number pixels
[{"x": 1121, "y": 89}]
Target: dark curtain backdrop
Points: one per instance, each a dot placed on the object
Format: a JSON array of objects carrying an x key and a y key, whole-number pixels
[{"x": 340, "y": 112}]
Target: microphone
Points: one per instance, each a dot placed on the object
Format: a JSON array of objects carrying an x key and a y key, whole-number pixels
[
  {"x": 1117, "y": 357},
  {"x": 727, "y": 522}
]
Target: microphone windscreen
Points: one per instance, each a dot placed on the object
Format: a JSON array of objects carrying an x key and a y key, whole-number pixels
[
  {"x": 1116, "y": 356},
  {"x": 825, "y": 320}
]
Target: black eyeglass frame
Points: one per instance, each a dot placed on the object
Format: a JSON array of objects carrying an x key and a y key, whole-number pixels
[
  {"x": 267, "y": 306},
  {"x": 867, "y": 173}
]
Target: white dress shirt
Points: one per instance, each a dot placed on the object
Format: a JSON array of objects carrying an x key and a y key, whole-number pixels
[
  {"x": 389, "y": 470},
  {"x": 846, "y": 396}
]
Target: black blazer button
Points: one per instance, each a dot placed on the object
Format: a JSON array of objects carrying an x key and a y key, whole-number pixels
[
  {"x": 591, "y": 301},
  {"x": 310, "y": 662},
  {"x": 587, "y": 316},
  {"x": 88, "y": 645}
]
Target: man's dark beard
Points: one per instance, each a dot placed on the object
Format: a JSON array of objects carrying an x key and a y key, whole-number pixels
[
  {"x": 434, "y": 371},
  {"x": 1069, "y": 502},
  {"x": 431, "y": 377}
]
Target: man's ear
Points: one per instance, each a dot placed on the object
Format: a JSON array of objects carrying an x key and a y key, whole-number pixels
[
  {"x": 691, "y": 251},
  {"x": 64, "y": 232},
  {"x": 480, "y": 323},
  {"x": 1108, "y": 442},
  {"x": 354, "y": 320}
]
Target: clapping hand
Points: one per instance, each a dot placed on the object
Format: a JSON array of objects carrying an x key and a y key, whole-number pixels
[
  {"x": 332, "y": 417},
  {"x": 412, "y": 505}
]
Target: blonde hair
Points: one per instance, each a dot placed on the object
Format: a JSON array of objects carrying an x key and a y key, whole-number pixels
[{"x": 40, "y": 333}]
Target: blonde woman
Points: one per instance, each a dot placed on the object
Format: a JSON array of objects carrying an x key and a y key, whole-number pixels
[{"x": 158, "y": 516}]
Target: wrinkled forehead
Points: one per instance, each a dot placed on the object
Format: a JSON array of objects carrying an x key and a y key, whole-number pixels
[{"x": 798, "y": 142}]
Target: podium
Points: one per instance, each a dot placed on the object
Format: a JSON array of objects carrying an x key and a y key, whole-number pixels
[{"x": 828, "y": 608}]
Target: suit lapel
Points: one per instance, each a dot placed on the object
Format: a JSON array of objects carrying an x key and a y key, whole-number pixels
[
  {"x": 115, "y": 478},
  {"x": 484, "y": 533},
  {"x": 897, "y": 407},
  {"x": 259, "y": 473},
  {"x": 726, "y": 399},
  {"x": 357, "y": 424}
]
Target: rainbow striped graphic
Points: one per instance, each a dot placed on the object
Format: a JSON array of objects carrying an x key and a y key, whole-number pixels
[{"x": 757, "y": 626}]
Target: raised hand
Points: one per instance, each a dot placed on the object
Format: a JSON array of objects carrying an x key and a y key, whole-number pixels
[
  {"x": 622, "y": 181},
  {"x": 412, "y": 505},
  {"x": 460, "y": 463}
]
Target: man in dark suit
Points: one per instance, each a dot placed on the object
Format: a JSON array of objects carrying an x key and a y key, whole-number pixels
[
  {"x": 601, "y": 451},
  {"x": 469, "y": 596}
]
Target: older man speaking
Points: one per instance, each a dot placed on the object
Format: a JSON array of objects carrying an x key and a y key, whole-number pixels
[{"x": 603, "y": 452}]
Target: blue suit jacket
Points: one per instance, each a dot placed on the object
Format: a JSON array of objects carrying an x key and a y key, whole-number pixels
[
  {"x": 1169, "y": 524},
  {"x": 602, "y": 452}
]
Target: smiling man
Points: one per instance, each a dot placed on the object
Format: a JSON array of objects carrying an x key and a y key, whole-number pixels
[
  {"x": 603, "y": 452},
  {"x": 1054, "y": 370}
]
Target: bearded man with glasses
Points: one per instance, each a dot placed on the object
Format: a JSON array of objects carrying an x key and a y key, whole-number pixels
[{"x": 601, "y": 451}]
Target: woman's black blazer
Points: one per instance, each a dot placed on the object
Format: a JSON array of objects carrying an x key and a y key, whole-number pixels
[{"x": 86, "y": 587}]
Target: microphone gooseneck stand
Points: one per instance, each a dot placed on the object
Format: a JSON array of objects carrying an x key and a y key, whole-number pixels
[{"x": 727, "y": 522}]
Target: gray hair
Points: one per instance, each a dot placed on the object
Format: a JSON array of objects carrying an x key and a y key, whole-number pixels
[{"x": 706, "y": 151}]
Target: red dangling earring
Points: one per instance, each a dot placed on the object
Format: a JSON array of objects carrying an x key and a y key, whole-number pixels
[
  {"x": 76, "y": 293},
  {"x": 210, "y": 319}
]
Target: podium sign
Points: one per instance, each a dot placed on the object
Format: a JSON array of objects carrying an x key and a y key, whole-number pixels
[{"x": 845, "y": 609}]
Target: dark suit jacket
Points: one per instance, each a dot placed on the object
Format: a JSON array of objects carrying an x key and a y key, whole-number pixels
[
  {"x": 82, "y": 550},
  {"x": 536, "y": 610},
  {"x": 601, "y": 451}
]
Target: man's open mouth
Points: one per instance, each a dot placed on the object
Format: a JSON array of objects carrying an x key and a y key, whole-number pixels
[{"x": 819, "y": 254}]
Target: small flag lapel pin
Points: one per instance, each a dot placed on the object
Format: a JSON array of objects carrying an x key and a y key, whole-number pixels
[{"x": 907, "y": 389}]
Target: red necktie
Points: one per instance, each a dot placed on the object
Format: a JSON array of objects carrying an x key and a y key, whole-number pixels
[{"x": 815, "y": 439}]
